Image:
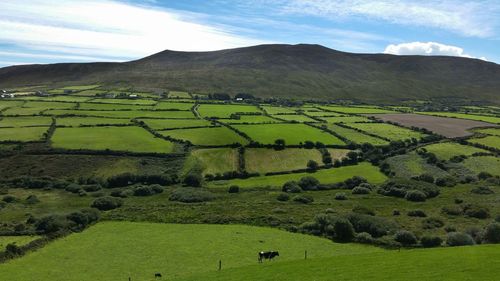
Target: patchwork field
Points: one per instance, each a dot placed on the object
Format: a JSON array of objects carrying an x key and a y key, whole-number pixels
[
  {"x": 6, "y": 104},
  {"x": 216, "y": 136},
  {"x": 345, "y": 119},
  {"x": 21, "y": 111},
  {"x": 448, "y": 127},
  {"x": 293, "y": 134},
  {"x": 25, "y": 121},
  {"x": 215, "y": 160},
  {"x": 489, "y": 141},
  {"x": 225, "y": 111},
  {"x": 174, "y": 106},
  {"x": 125, "y": 114},
  {"x": 295, "y": 117},
  {"x": 411, "y": 164},
  {"x": 371, "y": 173},
  {"x": 489, "y": 164},
  {"x": 22, "y": 134},
  {"x": 389, "y": 131},
  {"x": 447, "y": 150},
  {"x": 316, "y": 113},
  {"x": 278, "y": 109},
  {"x": 178, "y": 95},
  {"x": 262, "y": 160},
  {"x": 49, "y": 105},
  {"x": 355, "y": 136},
  {"x": 163, "y": 124},
  {"x": 112, "y": 106},
  {"x": 356, "y": 110},
  {"x": 250, "y": 119},
  {"x": 89, "y": 121},
  {"x": 489, "y": 131},
  {"x": 17, "y": 240},
  {"x": 127, "y": 101},
  {"x": 133, "y": 139},
  {"x": 484, "y": 118}
]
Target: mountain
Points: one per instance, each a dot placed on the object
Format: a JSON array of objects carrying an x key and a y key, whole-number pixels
[{"x": 299, "y": 71}]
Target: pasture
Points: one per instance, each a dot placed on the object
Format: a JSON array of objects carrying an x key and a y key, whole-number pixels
[
  {"x": 25, "y": 134},
  {"x": 250, "y": 119},
  {"x": 164, "y": 124},
  {"x": 392, "y": 132},
  {"x": 124, "y": 114},
  {"x": 89, "y": 121},
  {"x": 59, "y": 98},
  {"x": 174, "y": 250},
  {"x": 178, "y": 95},
  {"x": 49, "y": 105},
  {"x": 293, "y": 134},
  {"x": 17, "y": 240},
  {"x": 127, "y": 101},
  {"x": 174, "y": 106},
  {"x": 447, "y": 150},
  {"x": 484, "y": 118},
  {"x": 489, "y": 164},
  {"x": 489, "y": 131},
  {"x": 91, "y": 93},
  {"x": 214, "y": 160},
  {"x": 215, "y": 136},
  {"x": 80, "y": 87},
  {"x": 355, "y": 136},
  {"x": 262, "y": 160},
  {"x": 133, "y": 139},
  {"x": 225, "y": 110},
  {"x": 334, "y": 175},
  {"x": 488, "y": 141},
  {"x": 271, "y": 110},
  {"x": 344, "y": 119},
  {"x": 21, "y": 111},
  {"x": 356, "y": 109},
  {"x": 112, "y": 106},
  {"x": 10, "y": 103},
  {"x": 317, "y": 113},
  {"x": 411, "y": 164},
  {"x": 25, "y": 121},
  {"x": 295, "y": 118}
]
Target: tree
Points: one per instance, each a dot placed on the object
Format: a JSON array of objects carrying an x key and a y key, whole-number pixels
[
  {"x": 405, "y": 237},
  {"x": 312, "y": 165},
  {"x": 343, "y": 229},
  {"x": 492, "y": 233},
  {"x": 279, "y": 144}
]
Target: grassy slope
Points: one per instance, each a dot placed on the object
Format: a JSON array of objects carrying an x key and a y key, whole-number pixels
[
  {"x": 447, "y": 150},
  {"x": 217, "y": 160},
  {"x": 490, "y": 164},
  {"x": 125, "y": 114},
  {"x": 491, "y": 119},
  {"x": 489, "y": 141},
  {"x": 389, "y": 131},
  {"x": 356, "y": 136},
  {"x": 175, "y": 250},
  {"x": 206, "y": 136},
  {"x": 79, "y": 121},
  {"x": 22, "y": 134},
  {"x": 262, "y": 160},
  {"x": 161, "y": 124},
  {"x": 25, "y": 121}
]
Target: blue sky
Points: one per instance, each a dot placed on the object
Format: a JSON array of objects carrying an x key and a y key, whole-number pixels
[{"x": 45, "y": 31}]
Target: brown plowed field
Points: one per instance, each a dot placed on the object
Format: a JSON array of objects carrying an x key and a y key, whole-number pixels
[{"x": 448, "y": 127}]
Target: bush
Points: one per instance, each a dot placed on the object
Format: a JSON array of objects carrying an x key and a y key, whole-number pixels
[
  {"x": 119, "y": 193},
  {"x": 312, "y": 165},
  {"x": 233, "y": 189},
  {"x": 360, "y": 190},
  {"x": 492, "y": 233},
  {"x": 9, "y": 199},
  {"x": 400, "y": 188},
  {"x": 308, "y": 183},
  {"x": 291, "y": 187},
  {"x": 405, "y": 237},
  {"x": 283, "y": 197},
  {"x": 121, "y": 180},
  {"x": 74, "y": 188},
  {"x": 32, "y": 199},
  {"x": 364, "y": 238},
  {"x": 431, "y": 241},
  {"x": 452, "y": 210},
  {"x": 484, "y": 175},
  {"x": 475, "y": 211},
  {"x": 193, "y": 179},
  {"x": 446, "y": 181},
  {"x": 363, "y": 210},
  {"x": 356, "y": 181},
  {"x": 450, "y": 228},
  {"x": 425, "y": 177},
  {"x": 107, "y": 203},
  {"x": 459, "y": 239},
  {"x": 482, "y": 190},
  {"x": 376, "y": 226},
  {"x": 83, "y": 218},
  {"x": 147, "y": 190},
  {"x": 415, "y": 196},
  {"x": 340, "y": 196},
  {"x": 343, "y": 230},
  {"x": 50, "y": 224},
  {"x": 191, "y": 195},
  {"x": 92, "y": 187},
  {"x": 396, "y": 212},
  {"x": 304, "y": 199},
  {"x": 417, "y": 213},
  {"x": 432, "y": 223}
]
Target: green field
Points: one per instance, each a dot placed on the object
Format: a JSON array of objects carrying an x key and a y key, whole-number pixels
[
  {"x": 90, "y": 93},
  {"x": 262, "y": 160},
  {"x": 57, "y": 98},
  {"x": 489, "y": 141},
  {"x": 81, "y": 87},
  {"x": 132, "y": 139},
  {"x": 278, "y": 109},
  {"x": 17, "y": 240},
  {"x": 178, "y": 95},
  {"x": 21, "y": 111},
  {"x": 411, "y": 164},
  {"x": 112, "y": 106},
  {"x": 215, "y": 160},
  {"x": 295, "y": 117},
  {"x": 490, "y": 131},
  {"x": 49, "y": 105},
  {"x": 345, "y": 119},
  {"x": 447, "y": 150},
  {"x": 355, "y": 136},
  {"x": 25, "y": 121},
  {"x": 484, "y": 118},
  {"x": 89, "y": 121},
  {"x": 174, "y": 105},
  {"x": 250, "y": 119},
  {"x": 11, "y": 103},
  {"x": 176, "y": 250},
  {"x": 322, "y": 113},
  {"x": 162, "y": 124},
  {"x": 125, "y": 114},
  {"x": 293, "y": 134},
  {"x": 356, "y": 109},
  {"x": 216, "y": 136},
  {"x": 22, "y": 134},
  {"x": 489, "y": 164},
  {"x": 371, "y": 173},
  {"x": 125, "y": 101},
  {"x": 389, "y": 131},
  {"x": 224, "y": 110}
]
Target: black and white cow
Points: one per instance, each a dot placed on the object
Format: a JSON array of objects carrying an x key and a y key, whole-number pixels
[{"x": 268, "y": 255}]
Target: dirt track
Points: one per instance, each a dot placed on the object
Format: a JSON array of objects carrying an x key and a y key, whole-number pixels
[{"x": 448, "y": 127}]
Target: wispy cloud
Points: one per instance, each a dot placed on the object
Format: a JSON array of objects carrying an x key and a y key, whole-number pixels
[
  {"x": 469, "y": 18},
  {"x": 427, "y": 49}
]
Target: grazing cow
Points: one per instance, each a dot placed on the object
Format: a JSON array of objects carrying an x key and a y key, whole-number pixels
[
  {"x": 157, "y": 275},
  {"x": 268, "y": 255}
]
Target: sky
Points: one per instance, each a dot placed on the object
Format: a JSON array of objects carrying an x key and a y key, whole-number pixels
[{"x": 52, "y": 31}]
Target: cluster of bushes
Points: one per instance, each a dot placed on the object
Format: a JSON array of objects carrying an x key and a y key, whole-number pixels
[
  {"x": 230, "y": 175},
  {"x": 191, "y": 195},
  {"x": 107, "y": 203},
  {"x": 147, "y": 190},
  {"x": 129, "y": 179},
  {"x": 72, "y": 222},
  {"x": 411, "y": 190},
  {"x": 469, "y": 210}
]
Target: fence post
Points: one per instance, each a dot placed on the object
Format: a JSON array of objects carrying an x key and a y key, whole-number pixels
[
  {"x": 305, "y": 255},
  {"x": 220, "y": 265}
]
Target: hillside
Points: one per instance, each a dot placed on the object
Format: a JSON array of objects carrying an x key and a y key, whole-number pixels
[{"x": 301, "y": 71}]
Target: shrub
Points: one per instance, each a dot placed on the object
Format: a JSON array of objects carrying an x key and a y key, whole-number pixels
[
  {"x": 446, "y": 181},
  {"x": 431, "y": 241},
  {"x": 291, "y": 187},
  {"x": 118, "y": 193},
  {"x": 121, "y": 180},
  {"x": 147, "y": 190},
  {"x": 396, "y": 212},
  {"x": 283, "y": 197},
  {"x": 364, "y": 238},
  {"x": 482, "y": 190},
  {"x": 304, "y": 199},
  {"x": 415, "y": 196},
  {"x": 193, "y": 179},
  {"x": 312, "y": 165},
  {"x": 50, "y": 224},
  {"x": 405, "y": 237},
  {"x": 9, "y": 199},
  {"x": 343, "y": 229},
  {"x": 459, "y": 239},
  {"x": 32, "y": 199},
  {"x": 432, "y": 223},
  {"x": 356, "y": 181},
  {"x": 363, "y": 210},
  {"x": 458, "y": 201},
  {"x": 92, "y": 187},
  {"x": 107, "y": 203},
  {"x": 13, "y": 249},
  {"x": 452, "y": 210},
  {"x": 233, "y": 189},
  {"x": 400, "y": 187},
  {"x": 340, "y": 196},
  {"x": 476, "y": 233},
  {"x": 475, "y": 211},
  {"x": 450, "y": 228},
  {"x": 309, "y": 183},
  {"x": 191, "y": 195},
  {"x": 417, "y": 213},
  {"x": 376, "y": 226},
  {"x": 83, "y": 218},
  {"x": 484, "y": 175},
  {"x": 73, "y": 188},
  {"x": 360, "y": 190},
  {"x": 492, "y": 233},
  {"x": 425, "y": 177}
]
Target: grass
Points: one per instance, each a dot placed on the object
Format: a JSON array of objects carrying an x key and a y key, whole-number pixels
[
  {"x": 262, "y": 160},
  {"x": 89, "y": 121},
  {"x": 484, "y": 118},
  {"x": 355, "y": 136},
  {"x": 411, "y": 164},
  {"x": 111, "y": 106},
  {"x": 216, "y": 160},
  {"x": 322, "y": 113},
  {"x": 345, "y": 119},
  {"x": 174, "y": 105},
  {"x": 175, "y": 250},
  {"x": 25, "y": 121},
  {"x": 489, "y": 141},
  {"x": 356, "y": 109},
  {"x": 49, "y": 105},
  {"x": 457, "y": 263},
  {"x": 371, "y": 173},
  {"x": 162, "y": 124},
  {"x": 295, "y": 117},
  {"x": 389, "y": 131},
  {"x": 250, "y": 119},
  {"x": 91, "y": 93},
  {"x": 489, "y": 164},
  {"x": 293, "y": 134},
  {"x": 490, "y": 131},
  {"x": 81, "y": 87},
  {"x": 17, "y": 240},
  {"x": 125, "y": 114},
  {"x": 11, "y": 103},
  {"x": 278, "y": 109},
  {"x": 216, "y": 136},
  {"x": 224, "y": 110},
  {"x": 447, "y": 150},
  {"x": 22, "y": 134},
  {"x": 125, "y": 101},
  {"x": 132, "y": 139},
  {"x": 15, "y": 111},
  {"x": 179, "y": 94}
]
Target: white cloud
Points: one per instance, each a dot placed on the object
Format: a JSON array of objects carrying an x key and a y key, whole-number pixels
[
  {"x": 469, "y": 18},
  {"x": 427, "y": 49},
  {"x": 108, "y": 29}
]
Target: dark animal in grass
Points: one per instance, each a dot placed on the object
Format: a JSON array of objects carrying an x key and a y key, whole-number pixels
[
  {"x": 157, "y": 275},
  {"x": 268, "y": 255}
]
